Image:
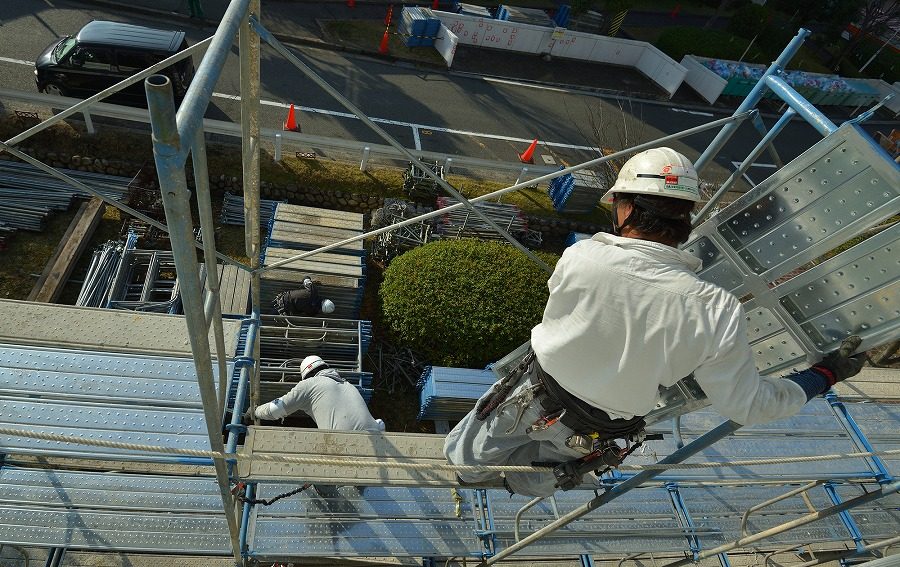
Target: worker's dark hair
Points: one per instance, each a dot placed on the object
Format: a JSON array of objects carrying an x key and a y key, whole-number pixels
[{"x": 663, "y": 218}]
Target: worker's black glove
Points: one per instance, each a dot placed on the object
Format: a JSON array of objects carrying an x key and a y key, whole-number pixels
[
  {"x": 247, "y": 417},
  {"x": 842, "y": 364}
]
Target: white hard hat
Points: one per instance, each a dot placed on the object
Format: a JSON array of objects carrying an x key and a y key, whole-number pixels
[
  {"x": 659, "y": 171},
  {"x": 327, "y": 306},
  {"x": 310, "y": 364}
]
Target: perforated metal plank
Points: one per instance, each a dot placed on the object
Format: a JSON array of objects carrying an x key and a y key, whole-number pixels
[
  {"x": 722, "y": 508},
  {"x": 157, "y": 426},
  {"x": 840, "y": 186},
  {"x": 363, "y": 446},
  {"x": 109, "y": 330},
  {"x": 278, "y": 538},
  {"x": 95, "y": 363},
  {"x": 114, "y": 531},
  {"x": 112, "y": 389},
  {"x": 876, "y": 520},
  {"x": 104, "y": 491}
]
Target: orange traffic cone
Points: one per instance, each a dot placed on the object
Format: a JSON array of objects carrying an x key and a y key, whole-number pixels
[
  {"x": 390, "y": 14},
  {"x": 351, "y": 3},
  {"x": 383, "y": 48},
  {"x": 291, "y": 123},
  {"x": 528, "y": 155}
]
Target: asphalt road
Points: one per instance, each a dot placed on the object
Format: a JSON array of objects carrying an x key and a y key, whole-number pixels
[{"x": 422, "y": 108}]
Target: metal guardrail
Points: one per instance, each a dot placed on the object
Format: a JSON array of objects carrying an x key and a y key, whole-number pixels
[{"x": 365, "y": 150}]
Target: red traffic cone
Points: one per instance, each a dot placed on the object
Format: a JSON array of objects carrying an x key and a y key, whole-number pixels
[
  {"x": 351, "y": 3},
  {"x": 434, "y": 5},
  {"x": 390, "y": 14},
  {"x": 383, "y": 48},
  {"x": 291, "y": 123},
  {"x": 528, "y": 155}
]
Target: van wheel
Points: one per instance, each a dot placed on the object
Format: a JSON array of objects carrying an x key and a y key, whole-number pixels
[{"x": 54, "y": 89}]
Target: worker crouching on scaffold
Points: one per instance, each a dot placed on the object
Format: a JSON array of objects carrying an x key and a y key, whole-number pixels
[
  {"x": 304, "y": 302},
  {"x": 626, "y": 315}
]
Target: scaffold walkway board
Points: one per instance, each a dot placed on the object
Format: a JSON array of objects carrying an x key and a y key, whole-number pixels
[
  {"x": 107, "y": 330},
  {"x": 101, "y": 396},
  {"x": 361, "y": 446},
  {"x": 111, "y": 512}
]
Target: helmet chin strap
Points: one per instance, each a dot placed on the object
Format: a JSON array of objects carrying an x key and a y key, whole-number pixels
[{"x": 617, "y": 228}]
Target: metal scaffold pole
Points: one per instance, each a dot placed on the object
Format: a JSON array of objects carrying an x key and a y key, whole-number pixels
[
  {"x": 175, "y": 195},
  {"x": 249, "y": 46}
]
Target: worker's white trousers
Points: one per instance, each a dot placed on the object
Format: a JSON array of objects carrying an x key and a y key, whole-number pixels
[{"x": 474, "y": 442}]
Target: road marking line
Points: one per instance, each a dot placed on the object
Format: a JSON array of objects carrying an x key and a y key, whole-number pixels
[
  {"x": 413, "y": 124},
  {"x": 416, "y": 139},
  {"x": 17, "y": 61},
  {"x": 710, "y": 114}
]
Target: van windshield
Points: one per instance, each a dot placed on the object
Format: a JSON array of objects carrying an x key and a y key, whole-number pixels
[{"x": 64, "y": 48}]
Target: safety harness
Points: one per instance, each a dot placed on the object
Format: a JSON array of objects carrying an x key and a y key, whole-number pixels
[{"x": 594, "y": 430}]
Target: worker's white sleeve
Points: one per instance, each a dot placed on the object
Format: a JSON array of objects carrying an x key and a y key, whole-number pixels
[
  {"x": 734, "y": 387},
  {"x": 271, "y": 411},
  {"x": 298, "y": 398}
]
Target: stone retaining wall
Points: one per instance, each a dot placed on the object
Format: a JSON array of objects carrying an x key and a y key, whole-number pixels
[{"x": 293, "y": 192}]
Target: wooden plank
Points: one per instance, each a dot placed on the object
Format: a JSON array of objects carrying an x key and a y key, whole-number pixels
[
  {"x": 275, "y": 254},
  {"x": 360, "y": 445},
  {"x": 58, "y": 269},
  {"x": 301, "y": 231},
  {"x": 286, "y": 210},
  {"x": 871, "y": 384}
]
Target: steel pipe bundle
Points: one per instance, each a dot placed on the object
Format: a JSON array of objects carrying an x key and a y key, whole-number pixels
[
  {"x": 450, "y": 393},
  {"x": 28, "y": 178},
  {"x": 462, "y": 223},
  {"x": 104, "y": 265},
  {"x": 233, "y": 210},
  {"x": 389, "y": 245}
]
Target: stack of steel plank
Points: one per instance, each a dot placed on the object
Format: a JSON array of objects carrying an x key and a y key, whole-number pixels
[
  {"x": 418, "y": 26},
  {"x": 575, "y": 237},
  {"x": 449, "y": 393},
  {"x": 233, "y": 210},
  {"x": 341, "y": 272},
  {"x": 463, "y": 223},
  {"x": 529, "y": 16},
  {"x": 471, "y": 10},
  {"x": 577, "y": 192},
  {"x": 285, "y": 341}
]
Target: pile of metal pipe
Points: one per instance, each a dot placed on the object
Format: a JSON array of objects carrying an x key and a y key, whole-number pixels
[
  {"x": 463, "y": 223},
  {"x": 447, "y": 393},
  {"x": 388, "y": 245},
  {"x": 98, "y": 280},
  {"x": 233, "y": 210}
]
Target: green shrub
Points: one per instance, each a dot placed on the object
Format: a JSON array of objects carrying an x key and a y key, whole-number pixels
[
  {"x": 464, "y": 303},
  {"x": 677, "y": 42}
]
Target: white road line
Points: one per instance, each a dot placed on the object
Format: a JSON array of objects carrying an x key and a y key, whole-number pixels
[
  {"x": 17, "y": 61},
  {"x": 416, "y": 139},
  {"x": 710, "y": 114},
  {"x": 414, "y": 125}
]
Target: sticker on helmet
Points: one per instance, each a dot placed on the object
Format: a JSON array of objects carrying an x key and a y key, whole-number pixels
[{"x": 671, "y": 180}]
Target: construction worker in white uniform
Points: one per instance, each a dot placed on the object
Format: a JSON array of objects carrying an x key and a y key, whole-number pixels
[
  {"x": 627, "y": 315},
  {"x": 323, "y": 395}
]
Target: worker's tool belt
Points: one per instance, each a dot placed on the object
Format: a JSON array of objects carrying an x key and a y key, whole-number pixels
[{"x": 580, "y": 416}]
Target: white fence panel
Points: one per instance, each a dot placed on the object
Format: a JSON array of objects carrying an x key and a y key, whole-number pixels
[
  {"x": 661, "y": 69},
  {"x": 574, "y": 45},
  {"x": 446, "y": 45},
  {"x": 624, "y": 53},
  {"x": 484, "y": 32},
  {"x": 702, "y": 79}
]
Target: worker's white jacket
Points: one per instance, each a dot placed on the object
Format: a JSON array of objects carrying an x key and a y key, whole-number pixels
[{"x": 627, "y": 315}]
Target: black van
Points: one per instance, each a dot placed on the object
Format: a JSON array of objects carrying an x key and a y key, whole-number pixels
[{"x": 104, "y": 53}]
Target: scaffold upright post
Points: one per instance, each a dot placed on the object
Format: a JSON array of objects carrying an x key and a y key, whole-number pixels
[
  {"x": 167, "y": 146},
  {"x": 249, "y": 48}
]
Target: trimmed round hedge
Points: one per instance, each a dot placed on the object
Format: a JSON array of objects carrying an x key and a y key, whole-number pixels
[{"x": 464, "y": 303}]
